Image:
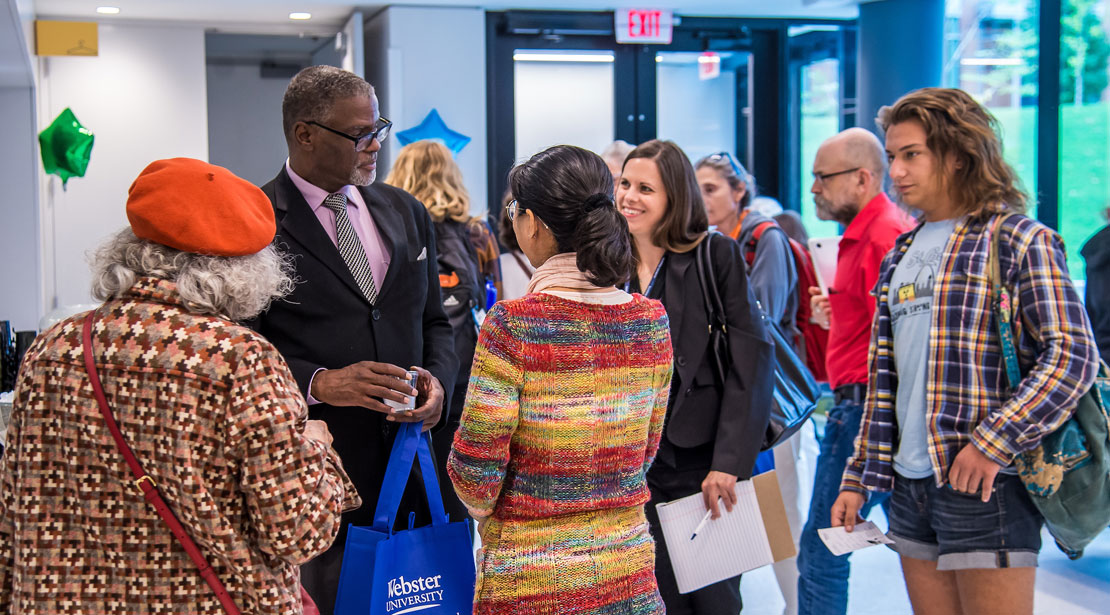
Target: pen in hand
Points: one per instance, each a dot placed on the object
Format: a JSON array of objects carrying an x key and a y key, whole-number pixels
[{"x": 704, "y": 520}]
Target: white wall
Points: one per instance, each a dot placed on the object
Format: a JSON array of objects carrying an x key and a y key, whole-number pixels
[
  {"x": 20, "y": 266},
  {"x": 244, "y": 131},
  {"x": 144, "y": 99},
  {"x": 434, "y": 58},
  {"x": 20, "y": 263}
]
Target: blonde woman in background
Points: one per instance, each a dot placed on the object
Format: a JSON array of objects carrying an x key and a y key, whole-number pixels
[{"x": 467, "y": 255}]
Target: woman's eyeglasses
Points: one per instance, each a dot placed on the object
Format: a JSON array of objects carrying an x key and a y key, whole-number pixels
[{"x": 511, "y": 209}]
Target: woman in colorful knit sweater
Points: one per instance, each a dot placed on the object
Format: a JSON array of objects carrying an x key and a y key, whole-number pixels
[{"x": 565, "y": 408}]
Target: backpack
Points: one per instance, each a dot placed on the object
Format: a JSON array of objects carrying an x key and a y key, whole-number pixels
[
  {"x": 461, "y": 285},
  {"x": 811, "y": 340}
]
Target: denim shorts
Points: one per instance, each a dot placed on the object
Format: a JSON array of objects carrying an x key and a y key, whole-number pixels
[{"x": 959, "y": 531}]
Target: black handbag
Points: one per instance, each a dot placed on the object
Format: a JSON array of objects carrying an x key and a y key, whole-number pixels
[{"x": 795, "y": 390}]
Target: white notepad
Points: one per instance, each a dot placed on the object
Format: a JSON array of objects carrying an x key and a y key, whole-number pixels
[{"x": 727, "y": 546}]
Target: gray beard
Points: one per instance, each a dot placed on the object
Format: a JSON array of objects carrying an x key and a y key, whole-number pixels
[{"x": 359, "y": 178}]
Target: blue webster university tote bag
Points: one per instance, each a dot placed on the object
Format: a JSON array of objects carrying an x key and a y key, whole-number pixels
[{"x": 427, "y": 570}]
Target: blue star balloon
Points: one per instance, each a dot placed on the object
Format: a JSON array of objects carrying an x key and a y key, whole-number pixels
[{"x": 433, "y": 128}]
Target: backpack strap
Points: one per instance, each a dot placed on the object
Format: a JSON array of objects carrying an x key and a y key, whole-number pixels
[
  {"x": 1002, "y": 305},
  {"x": 750, "y": 245}
]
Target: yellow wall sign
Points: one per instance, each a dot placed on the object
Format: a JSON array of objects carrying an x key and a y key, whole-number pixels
[{"x": 65, "y": 38}]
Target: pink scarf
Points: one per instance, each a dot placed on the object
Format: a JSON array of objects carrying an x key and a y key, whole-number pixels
[{"x": 560, "y": 270}]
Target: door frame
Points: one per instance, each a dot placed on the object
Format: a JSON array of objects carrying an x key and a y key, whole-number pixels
[{"x": 765, "y": 122}]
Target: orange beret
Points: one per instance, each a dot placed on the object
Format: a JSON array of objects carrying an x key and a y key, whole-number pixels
[{"x": 201, "y": 208}]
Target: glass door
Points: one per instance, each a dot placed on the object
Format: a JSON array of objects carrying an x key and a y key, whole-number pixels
[
  {"x": 698, "y": 101},
  {"x": 722, "y": 84},
  {"x": 562, "y": 96}
]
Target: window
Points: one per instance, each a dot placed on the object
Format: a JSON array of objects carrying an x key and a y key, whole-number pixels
[
  {"x": 820, "y": 120},
  {"x": 1084, "y": 124},
  {"x": 991, "y": 51}
]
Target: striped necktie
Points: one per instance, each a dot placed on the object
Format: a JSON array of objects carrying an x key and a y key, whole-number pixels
[{"x": 350, "y": 248}]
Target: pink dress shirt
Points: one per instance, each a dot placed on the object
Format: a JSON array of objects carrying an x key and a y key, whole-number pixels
[{"x": 361, "y": 221}]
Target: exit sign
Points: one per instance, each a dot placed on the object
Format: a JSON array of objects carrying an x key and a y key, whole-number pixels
[{"x": 644, "y": 26}]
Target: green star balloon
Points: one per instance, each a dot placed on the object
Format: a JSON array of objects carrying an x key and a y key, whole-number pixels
[{"x": 66, "y": 146}]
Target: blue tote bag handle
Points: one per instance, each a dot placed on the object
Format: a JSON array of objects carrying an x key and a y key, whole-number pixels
[{"x": 409, "y": 444}]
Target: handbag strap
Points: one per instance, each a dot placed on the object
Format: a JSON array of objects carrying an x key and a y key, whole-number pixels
[
  {"x": 714, "y": 310},
  {"x": 146, "y": 484},
  {"x": 409, "y": 445},
  {"x": 708, "y": 280},
  {"x": 1002, "y": 305}
]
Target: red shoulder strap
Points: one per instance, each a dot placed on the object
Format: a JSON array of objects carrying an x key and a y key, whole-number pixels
[
  {"x": 146, "y": 484},
  {"x": 749, "y": 247}
]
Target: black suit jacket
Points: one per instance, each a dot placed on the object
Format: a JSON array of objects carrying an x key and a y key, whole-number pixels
[
  {"x": 327, "y": 322},
  {"x": 732, "y": 416}
]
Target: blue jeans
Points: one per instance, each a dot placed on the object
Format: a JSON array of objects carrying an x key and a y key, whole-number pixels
[{"x": 823, "y": 577}]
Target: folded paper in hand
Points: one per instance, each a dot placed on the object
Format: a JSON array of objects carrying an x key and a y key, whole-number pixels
[
  {"x": 754, "y": 534},
  {"x": 866, "y": 534}
]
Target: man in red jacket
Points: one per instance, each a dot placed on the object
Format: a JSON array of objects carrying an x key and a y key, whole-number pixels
[{"x": 848, "y": 174}]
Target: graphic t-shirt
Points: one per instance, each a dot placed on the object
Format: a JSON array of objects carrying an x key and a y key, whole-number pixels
[{"x": 911, "y": 306}]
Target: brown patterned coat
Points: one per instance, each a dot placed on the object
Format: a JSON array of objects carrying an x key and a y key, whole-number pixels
[{"x": 215, "y": 417}]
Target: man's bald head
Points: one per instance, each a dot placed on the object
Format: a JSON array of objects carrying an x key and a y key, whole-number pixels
[
  {"x": 848, "y": 172},
  {"x": 859, "y": 147}
]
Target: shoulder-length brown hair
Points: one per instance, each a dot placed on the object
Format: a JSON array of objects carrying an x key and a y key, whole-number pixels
[
  {"x": 685, "y": 222},
  {"x": 960, "y": 130}
]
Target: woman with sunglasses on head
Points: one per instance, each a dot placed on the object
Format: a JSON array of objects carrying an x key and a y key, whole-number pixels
[
  {"x": 565, "y": 408},
  {"x": 728, "y": 191},
  {"x": 714, "y": 428}
]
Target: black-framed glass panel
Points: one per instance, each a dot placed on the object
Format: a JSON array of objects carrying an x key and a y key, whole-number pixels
[
  {"x": 698, "y": 101},
  {"x": 562, "y": 96},
  {"x": 992, "y": 53},
  {"x": 1084, "y": 156},
  {"x": 651, "y": 93}
]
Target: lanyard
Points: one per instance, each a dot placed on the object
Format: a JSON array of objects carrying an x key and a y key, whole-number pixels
[{"x": 651, "y": 284}]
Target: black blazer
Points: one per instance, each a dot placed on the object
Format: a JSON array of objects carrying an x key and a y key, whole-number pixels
[
  {"x": 327, "y": 322},
  {"x": 733, "y": 416}
]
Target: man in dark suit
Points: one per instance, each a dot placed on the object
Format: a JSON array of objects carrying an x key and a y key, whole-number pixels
[{"x": 367, "y": 303}]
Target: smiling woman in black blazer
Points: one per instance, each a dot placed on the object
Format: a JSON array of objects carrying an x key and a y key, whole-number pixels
[{"x": 713, "y": 429}]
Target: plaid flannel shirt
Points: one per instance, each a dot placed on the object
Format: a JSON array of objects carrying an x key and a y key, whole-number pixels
[{"x": 967, "y": 396}]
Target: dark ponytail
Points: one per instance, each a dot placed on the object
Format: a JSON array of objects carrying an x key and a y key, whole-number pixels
[
  {"x": 602, "y": 243},
  {"x": 571, "y": 190}
]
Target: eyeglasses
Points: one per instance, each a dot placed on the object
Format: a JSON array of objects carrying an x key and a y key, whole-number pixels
[
  {"x": 821, "y": 178},
  {"x": 380, "y": 132},
  {"x": 512, "y": 209},
  {"x": 719, "y": 156}
]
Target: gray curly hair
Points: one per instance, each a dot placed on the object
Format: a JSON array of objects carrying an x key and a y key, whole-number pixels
[{"x": 237, "y": 287}]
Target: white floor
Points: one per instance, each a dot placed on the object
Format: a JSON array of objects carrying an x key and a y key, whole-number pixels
[{"x": 1064, "y": 587}]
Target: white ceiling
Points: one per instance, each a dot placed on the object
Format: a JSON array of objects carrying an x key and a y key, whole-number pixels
[{"x": 273, "y": 15}]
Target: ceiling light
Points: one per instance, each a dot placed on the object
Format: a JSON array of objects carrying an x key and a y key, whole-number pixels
[
  {"x": 562, "y": 57},
  {"x": 300, "y": 16},
  {"x": 991, "y": 61},
  {"x": 107, "y": 10}
]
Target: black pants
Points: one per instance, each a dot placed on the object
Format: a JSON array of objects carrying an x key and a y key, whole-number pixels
[{"x": 721, "y": 598}]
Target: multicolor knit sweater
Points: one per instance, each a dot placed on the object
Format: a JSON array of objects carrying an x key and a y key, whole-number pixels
[{"x": 565, "y": 407}]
